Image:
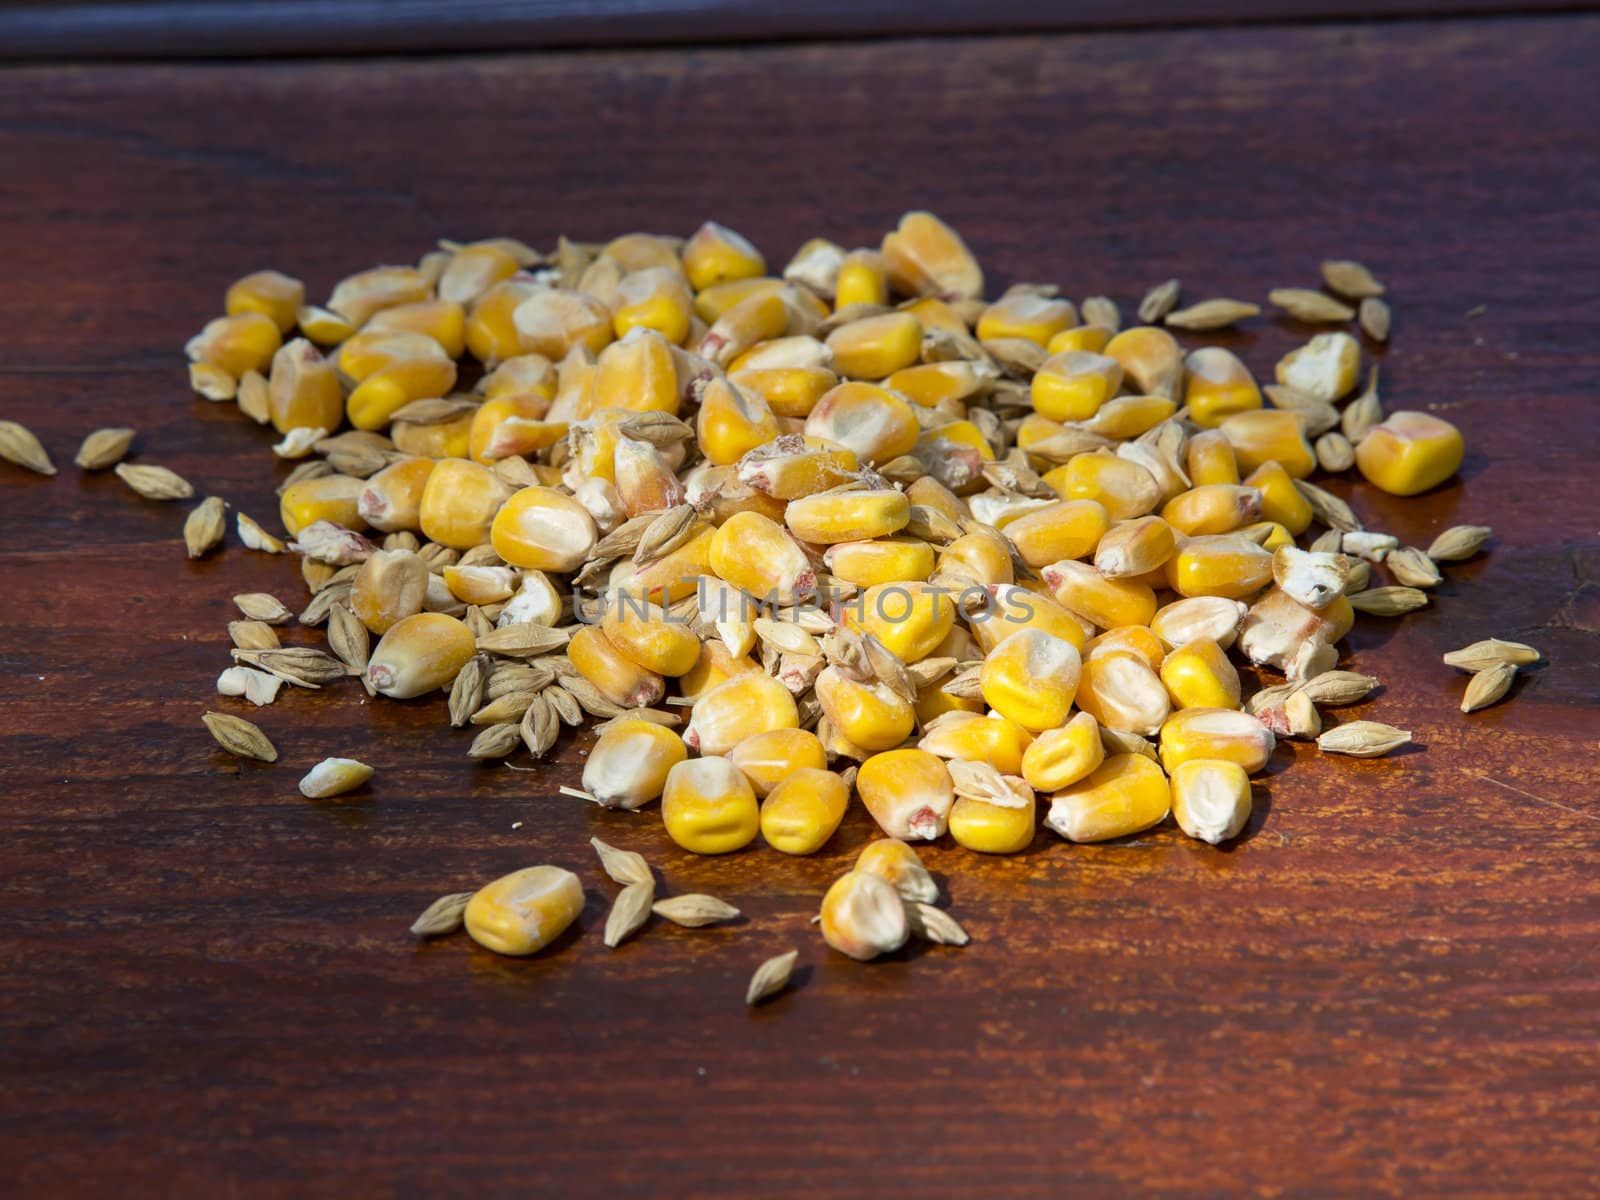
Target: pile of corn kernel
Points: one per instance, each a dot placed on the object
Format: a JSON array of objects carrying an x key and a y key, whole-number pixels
[{"x": 847, "y": 530}]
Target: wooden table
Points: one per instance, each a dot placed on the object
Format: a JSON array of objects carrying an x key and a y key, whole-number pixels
[{"x": 1388, "y": 986}]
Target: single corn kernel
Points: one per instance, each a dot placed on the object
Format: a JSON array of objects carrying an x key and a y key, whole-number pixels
[
  {"x": 757, "y": 555},
  {"x": 788, "y": 391},
  {"x": 1084, "y": 339},
  {"x": 637, "y": 374},
  {"x": 876, "y": 347},
  {"x": 1183, "y": 621},
  {"x": 525, "y": 911},
  {"x": 1121, "y": 692},
  {"x": 492, "y": 334},
  {"x": 717, "y": 664},
  {"x": 767, "y": 759},
  {"x": 1013, "y": 608},
  {"x": 708, "y": 807},
  {"x": 848, "y": 516},
  {"x": 1199, "y": 675},
  {"x": 863, "y": 917},
  {"x": 1209, "y": 459},
  {"x": 1123, "y": 488},
  {"x": 1103, "y": 602},
  {"x": 801, "y": 350},
  {"x": 441, "y": 321},
  {"x": 644, "y": 633},
  {"x": 936, "y": 383},
  {"x": 459, "y": 503},
  {"x": 369, "y": 351},
  {"x": 1068, "y": 529},
  {"x": 909, "y": 618},
  {"x": 551, "y": 321},
  {"x": 419, "y": 654},
  {"x": 323, "y": 327},
  {"x": 1210, "y": 799},
  {"x": 716, "y": 254},
  {"x": 925, "y": 257},
  {"x": 492, "y": 439},
  {"x": 1212, "y": 508},
  {"x": 733, "y": 422},
  {"x": 537, "y": 602},
  {"x": 1325, "y": 368},
  {"x": 385, "y": 392},
  {"x": 244, "y": 342},
  {"x": 861, "y": 279},
  {"x": 1124, "y": 795},
  {"x": 618, "y": 677},
  {"x": 645, "y": 482},
  {"x": 274, "y": 295},
  {"x": 390, "y": 586},
  {"x": 1131, "y": 548},
  {"x": 908, "y": 792},
  {"x": 900, "y": 866},
  {"x": 867, "y": 714},
  {"x": 802, "y": 811},
  {"x": 789, "y": 469},
  {"x": 1226, "y": 564},
  {"x": 1270, "y": 434},
  {"x": 1001, "y": 823},
  {"x": 930, "y": 493},
  {"x": 1127, "y": 639},
  {"x": 331, "y": 498},
  {"x": 1026, "y": 314},
  {"x": 303, "y": 389},
  {"x": 473, "y": 270},
  {"x": 757, "y": 318},
  {"x": 357, "y": 297},
  {"x": 816, "y": 266},
  {"x": 739, "y": 708},
  {"x": 540, "y": 528},
  {"x": 1269, "y": 535},
  {"x": 1072, "y": 386},
  {"x": 1224, "y": 733},
  {"x": 1281, "y": 501},
  {"x": 446, "y": 439},
  {"x": 1059, "y": 758},
  {"x": 982, "y": 556},
  {"x": 642, "y": 251},
  {"x": 629, "y": 764},
  {"x": 884, "y": 560},
  {"x": 1125, "y": 417},
  {"x": 1031, "y": 678},
  {"x": 1217, "y": 385},
  {"x": 657, "y": 299},
  {"x": 974, "y": 738},
  {"x": 1150, "y": 358},
  {"x": 1410, "y": 452},
  {"x": 716, "y": 301}
]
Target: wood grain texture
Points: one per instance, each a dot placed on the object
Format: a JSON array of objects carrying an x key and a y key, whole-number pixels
[{"x": 1388, "y": 987}]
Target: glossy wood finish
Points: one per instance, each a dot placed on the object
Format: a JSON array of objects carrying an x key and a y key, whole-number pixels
[{"x": 1389, "y": 986}]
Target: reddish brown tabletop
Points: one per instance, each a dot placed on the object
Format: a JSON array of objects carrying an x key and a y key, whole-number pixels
[{"x": 1388, "y": 986}]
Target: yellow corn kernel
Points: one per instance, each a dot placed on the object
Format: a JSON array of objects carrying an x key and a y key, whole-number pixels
[
  {"x": 991, "y": 827},
  {"x": 1068, "y": 529},
  {"x": 243, "y": 342},
  {"x": 1031, "y": 678},
  {"x": 1136, "y": 547},
  {"x": 1098, "y": 600},
  {"x": 908, "y": 792},
  {"x": 785, "y": 472},
  {"x": 1027, "y": 315},
  {"x": 738, "y": 708},
  {"x": 475, "y": 584},
  {"x": 378, "y": 397},
  {"x": 767, "y": 759},
  {"x": 733, "y": 422},
  {"x": 788, "y": 391},
  {"x": 708, "y": 807},
  {"x": 645, "y": 483},
  {"x": 538, "y": 527},
  {"x": 1270, "y": 434},
  {"x": 983, "y": 556},
  {"x": 642, "y": 251},
  {"x": 716, "y": 254},
  {"x": 274, "y": 295},
  {"x": 885, "y": 560},
  {"x": 333, "y": 498},
  {"x": 1212, "y": 508},
  {"x": 757, "y": 555},
  {"x": 972, "y": 737},
  {"x": 876, "y": 347},
  {"x": 459, "y": 503},
  {"x": 1281, "y": 501},
  {"x": 1269, "y": 535},
  {"x": 674, "y": 576},
  {"x": 863, "y": 916},
  {"x": 861, "y": 279},
  {"x": 930, "y": 493},
  {"x": 303, "y": 390},
  {"x": 1217, "y": 385},
  {"x": 1325, "y": 368},
  {"x": 1059, "y": 758},
  {"x": 931, "y": 384},
  {"x": 490, "y": 438},
  {"x": 847, "y": 516},
  {"x": 757, "y": 318},
  {"x": 901, "y": 867},
  {"x": 473, "y": 270},
  {"x": 525, "y": 911},
  {"x": 1125, "y": 417},
  {"x": 1123, "y": 488},
  {"x": 816, "y": 266},
  {"x": 551, "y": 321},
  {"x": 637, "y": 374},
  {"x": 867, "y": 714},
  {"x": 1089, "y": 339},
  {"x": 1224, "y": 733},
  {"x": 1150, "y": 357},
  {"x": 1127, "y": 639},
  {"x": 357, "y": 297},
  {"x": 441, "y": 320},
  {"x": 419, "y": 654},
  {"x": 1199, "y": 675},
  {"x": 716, "y": 664},
  {"x": 618, "y": 677},
  {"x": 1226, "y": 564},
  {"x": 492, "y": 335},
  {"x": 801, "y": 350},
  {"x": 1183, "y": 621},
  {"x": 1125, "y": 794},
  {"x": 1072, "y": 386},
  {"x": 715, "y": 302},
  {"x": 937, "y": 316},
  {"x": 1410, "y": 452},
  {"x": 629, "y": 764},
  {"x": 643, "y": 632},
  {"x": 910, "y": 618},
  {"x": 804, "y": 809},
  {"x": 655, "y": 299},
  {"x": 1012, "y": 609},
  {"x": 323, "y": 327},
  {"x": 373, "y": 349},
  {"x": 872, "y": 422},
  {"x": 1120, "y": 691},
  {"x": 1209, "y": 459},
  {"x": 390, "y": 586},
  {"x": 446, "y": 439},
  {"x": 925, "y": 257},
  {"x": 1210, "y": 799},
  {"x": 955, "y": 454}
]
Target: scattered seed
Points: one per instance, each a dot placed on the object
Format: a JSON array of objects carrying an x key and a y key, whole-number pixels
[
  {"x": 334, "y": 777},
  {"x": 253, "y": 635},
  {"x": 252, "y": 397},
  {"x": 1413, "y": 568},
  {"x": 1101, "y": 311},
  {"x": 935, "y": 925},
  {"x": 154, "y": 483},
  {"x": 1459, "y": 542},
  {"x": 1312, "y": 307},
  {"x": 629, "y": 912},
  {"x": 104, "y": 448},
  {"x": 1335, "y": 453},
  {"x": 262, "y": 606},
  {"x": 239, "y": 737},
  {"x": 1211, "y": 314},
  {"x": 627, "y": 867},
  {"x": 1388, "y": 601},
  {"x": 1374, "y": 318},
  {"x": 203, "y": 528},
  {"x": 1491, "y": 652},
  {"x": 1304, "y": 720},
  {"x": 1363, "y": 739},
  {"x": 771, "y": 977},
  {"x": 1351, "y": 279},
  {"x": 254, "y": 537},
  {"x": 693, "y": 911},
  {"x": 496, "y": 741},
  {"x": 1328, "y": 508},
  {"x": 1159, "y": 301},
  {"x": 443, "y": 916},
  {"x": 1488, "y": 686},
  {"x": 18, "y": 445},
  {"x": 303, "y": 666},
  {"x": 1338, "y": 687}
]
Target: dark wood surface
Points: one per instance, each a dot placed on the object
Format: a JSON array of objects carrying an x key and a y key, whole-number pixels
[{"x": 1389, "y": 986}]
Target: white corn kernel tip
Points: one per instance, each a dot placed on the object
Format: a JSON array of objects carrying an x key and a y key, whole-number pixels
[{"x": 334, "y": 777}]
